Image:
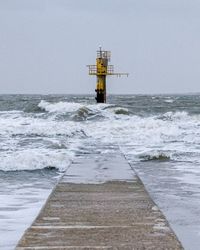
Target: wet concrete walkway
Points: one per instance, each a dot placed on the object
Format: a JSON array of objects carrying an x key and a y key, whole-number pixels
[{"x": 99, "y": 203}]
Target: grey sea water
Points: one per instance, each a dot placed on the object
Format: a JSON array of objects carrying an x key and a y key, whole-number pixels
[{"x": 41, "y": 134}]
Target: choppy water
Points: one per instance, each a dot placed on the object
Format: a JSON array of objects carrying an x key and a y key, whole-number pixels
[{"x": 40, "y": 135}]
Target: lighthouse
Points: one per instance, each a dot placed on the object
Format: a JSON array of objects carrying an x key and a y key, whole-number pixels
[{"x": 101, "y": 70}]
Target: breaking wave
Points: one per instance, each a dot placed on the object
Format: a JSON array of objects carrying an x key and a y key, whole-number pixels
[
  {"x": 82, "y": 114},
  {"x": 61, "y": 107},
  {"x": 78, "y": 111},
  {"x": 183, "y": 115},
  {"x": 20, "y": 125},
  {"x": 52, "y": 138},
  {"x": 155, "y": 156},
  {"x": 121, "y": 111},
  {"x": 169, "y": 101},
  {"x": 35, "y": 159}
]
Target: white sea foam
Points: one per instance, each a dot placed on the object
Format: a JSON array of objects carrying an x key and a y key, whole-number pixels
[
  {"x": 142, "y": 135},
  {"x": 37, "y": 136},
  {"x": 169, "y": 101},
  {"x": 61, "y": 107},
  {"x": 13, "y": 125},
  {"x": 183, "y": 115},
  {"x": 155, "y": 155},
  {"x": 29, "y": 143},
  {"x": 32, "y": 159},
  {"x": 68, "y": 107}
]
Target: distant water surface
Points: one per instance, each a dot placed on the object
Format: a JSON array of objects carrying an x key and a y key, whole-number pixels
[{"x": 41, "y": 134}]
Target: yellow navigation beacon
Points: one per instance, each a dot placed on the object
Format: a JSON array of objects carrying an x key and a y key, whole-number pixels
[{"x": 101, "y": 70}]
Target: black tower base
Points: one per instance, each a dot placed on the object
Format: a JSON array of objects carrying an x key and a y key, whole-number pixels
[{"x": 100, "y": 96}]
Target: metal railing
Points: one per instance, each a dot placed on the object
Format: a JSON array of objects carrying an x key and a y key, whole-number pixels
[
  {"x": 104, "y": 54},
  {"x": 94, "y": 71}
]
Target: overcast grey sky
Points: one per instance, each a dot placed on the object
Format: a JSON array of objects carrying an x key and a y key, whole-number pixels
[{"x": 45, "y": 45}]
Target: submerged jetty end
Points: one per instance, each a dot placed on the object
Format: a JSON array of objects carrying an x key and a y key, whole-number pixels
[{"x": 99, "y": 203}]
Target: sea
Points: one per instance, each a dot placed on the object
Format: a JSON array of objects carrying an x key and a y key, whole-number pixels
[{"x": 159, "y": 135}]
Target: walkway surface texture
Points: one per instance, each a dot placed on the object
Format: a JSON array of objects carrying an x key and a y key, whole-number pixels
[{"x": 99, "y": 203}]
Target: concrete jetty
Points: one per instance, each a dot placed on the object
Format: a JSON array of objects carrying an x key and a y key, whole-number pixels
[{"x": 99, "y": 203}]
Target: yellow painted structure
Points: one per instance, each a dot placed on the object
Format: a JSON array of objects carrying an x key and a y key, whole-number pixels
[{"x": 101, "y": 70}]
